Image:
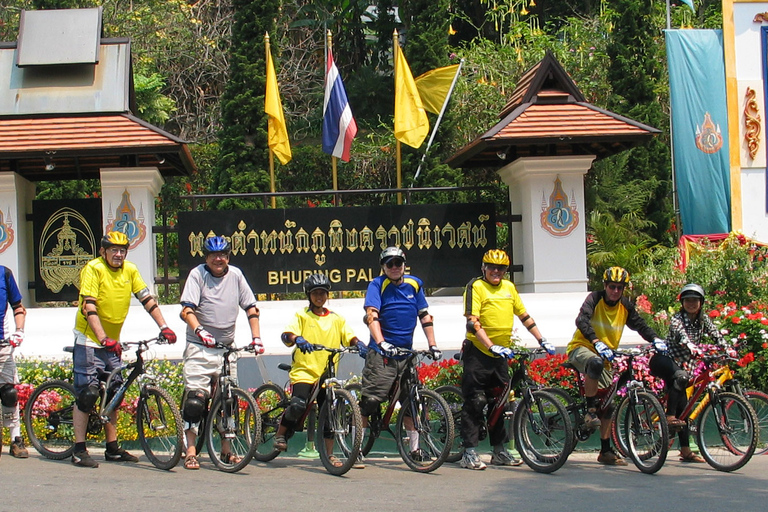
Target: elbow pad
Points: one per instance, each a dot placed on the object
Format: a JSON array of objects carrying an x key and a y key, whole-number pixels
[
  {"x": 371, "y": 316},
  {"x": 473, "y": 326},
  {"x": 286, "y": 338}
]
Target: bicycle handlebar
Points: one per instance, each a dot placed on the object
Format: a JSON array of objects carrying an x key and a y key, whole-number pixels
[{"x": 351, "y": 349}]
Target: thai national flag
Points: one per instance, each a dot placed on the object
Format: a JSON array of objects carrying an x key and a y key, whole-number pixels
[{"x": 339, "y": 127}]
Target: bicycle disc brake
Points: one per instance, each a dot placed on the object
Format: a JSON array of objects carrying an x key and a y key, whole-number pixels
[{"x": 94, "y": 424}]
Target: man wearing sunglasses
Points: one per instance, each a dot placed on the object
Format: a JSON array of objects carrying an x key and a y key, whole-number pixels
[
  {"x": 491, "y": 303},
  {"x": 600, "y": 325},
  {"x": 394, "y": 303}
]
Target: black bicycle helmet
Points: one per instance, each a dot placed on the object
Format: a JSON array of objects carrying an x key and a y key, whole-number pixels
[
  {"x": 216, "y": 244},
  {"x": 692, "y": 290},
  {"x": 315, "y": 281}
]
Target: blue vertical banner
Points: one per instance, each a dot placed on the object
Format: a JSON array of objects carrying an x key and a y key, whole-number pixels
[{"x": 699, "y": 130}]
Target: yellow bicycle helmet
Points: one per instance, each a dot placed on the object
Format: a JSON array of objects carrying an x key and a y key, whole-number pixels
[
  {"x": 496, "y": 257},
  {"x": 616, "y": 275},
  {"x": 114, "y": 238}
]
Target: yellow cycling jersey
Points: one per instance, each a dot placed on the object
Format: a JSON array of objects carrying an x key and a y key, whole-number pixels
[
  {"x": 330, "y": 330},
  {"x": 608, "y": 323},
  {"x": 496, "y": 307},
  {"x": 112, "y": 289}
]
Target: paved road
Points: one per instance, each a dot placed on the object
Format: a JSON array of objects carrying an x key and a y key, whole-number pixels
[{"x": 292, "y": 484}]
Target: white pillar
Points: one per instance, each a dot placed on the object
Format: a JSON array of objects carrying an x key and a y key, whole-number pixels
[
  {"x": 16, "y": 242},
  {"x": 128, "y": 205},
  {"x": 550, "y": 242}
]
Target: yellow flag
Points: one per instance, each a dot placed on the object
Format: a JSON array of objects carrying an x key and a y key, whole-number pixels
[
  {"x": 277, "y": 131},
  {"x": 411, "y": 123},
  {"x": 434, "y": 85}
]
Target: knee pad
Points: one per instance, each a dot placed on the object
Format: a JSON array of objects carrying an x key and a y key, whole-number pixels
[
  {"x": 295, "y": 409},
  {"x": 87, "y": 399},
  {"x": 9, "y": 397},
  {"x": 680, "y": 380},
  {"x": 476, "y": 404},
  {"x": 594, "y": 368},
  {"x": 368, "y": 406},
  {"x": 195, "y": 405}
]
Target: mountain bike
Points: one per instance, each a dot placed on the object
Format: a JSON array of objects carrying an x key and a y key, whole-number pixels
[
  {"x": 48, "y": 414},
  {"x": 724, "y": 422},
  {"x": 430, "y": 414},
  {"x": 537, "y": 421},
  {"x": 232, "y": 426},
  {"x": 339, "y": 423},
  {"x": 642, "y": 432}
]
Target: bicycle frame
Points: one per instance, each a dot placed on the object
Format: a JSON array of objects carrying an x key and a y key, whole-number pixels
[
  {"x": 707, "y": 381},
  {"x": 107, "y": 407}
]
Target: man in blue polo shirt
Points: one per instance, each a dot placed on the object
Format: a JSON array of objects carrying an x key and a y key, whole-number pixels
[{"x": 394, "y": 303}]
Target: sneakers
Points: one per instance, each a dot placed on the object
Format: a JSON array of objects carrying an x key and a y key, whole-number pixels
[
  {"x": 472, "y": 461},
  {"x": 420, "y": 455},
  {"x": 359, "y": 462},
  {"x": 280, "y": 443},
  {"x": 84, "y": 460},
  {"x": 610, "y": 458},
  {"x": 504, "y": 458},
  {"x": 120, "y": 456},
  {"x": 591, "y": 420},
  {"x": 18, "y": 449}
]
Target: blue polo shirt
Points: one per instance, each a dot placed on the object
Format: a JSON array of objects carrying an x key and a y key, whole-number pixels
[{"x": 398, "y": 306}]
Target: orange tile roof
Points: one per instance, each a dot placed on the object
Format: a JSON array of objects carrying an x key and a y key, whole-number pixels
[
  {"x": 80, "y": 145},
  {"x": 547, "y": 115}
]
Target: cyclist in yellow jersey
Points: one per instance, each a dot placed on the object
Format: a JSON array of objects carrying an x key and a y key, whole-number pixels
[
  {"x": 599, "y": 327},
  {"x": 106, "y": 285},
  {"x": 314, "y": 324},
  {"x": 490, "y": 304}
]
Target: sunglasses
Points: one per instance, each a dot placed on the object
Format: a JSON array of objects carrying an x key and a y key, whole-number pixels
[
  {"x": 394, "y": 262},
  {"x": 615, "y": 287},
  {"x": 496, "y": 268}
]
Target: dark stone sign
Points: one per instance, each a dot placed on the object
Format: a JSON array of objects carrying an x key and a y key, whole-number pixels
[
  {"x": 277, "y": 249},
  {"x": 67, "y": 235}
]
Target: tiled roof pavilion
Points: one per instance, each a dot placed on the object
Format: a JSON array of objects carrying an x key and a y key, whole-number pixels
[{"x": 547, "y": 115}]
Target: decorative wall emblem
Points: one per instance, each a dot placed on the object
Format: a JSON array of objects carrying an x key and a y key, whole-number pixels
[
  {"x": 61, "y": 256},
  {"x": 709, "y": 139},
  {"x": 751, "y": 123},
  {"x": 6, "y": 231},
  {"x": 126, "y": 220},
  {"x": 558, "y": 217}
]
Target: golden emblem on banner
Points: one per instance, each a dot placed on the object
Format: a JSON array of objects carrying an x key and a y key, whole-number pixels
[{"x": 61, "y": 254}]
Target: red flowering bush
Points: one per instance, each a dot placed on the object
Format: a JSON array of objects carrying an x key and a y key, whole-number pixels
[
  {"x": 549, "y": 372},
  {"x": 440, "y": 373},
  {"x": 746, "y": 328}
]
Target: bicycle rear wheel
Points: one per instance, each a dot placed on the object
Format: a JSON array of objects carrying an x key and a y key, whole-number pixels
[
  {"x": 727, "y": 432},
  {"x": 160, "y": 428},
  {"x": 433, "y": 429},
  {"x": 271, "y": 402},
  {"x": 759, "y": 402},
  {"x": 233, "y": 430},
  {"x": 48, "y": 419},
  {"x": 339, "y": 432},
  {"x": 542, "y": 432},
  {"x": 646, "y": 433},
  {"x": 453, "y": 397}
]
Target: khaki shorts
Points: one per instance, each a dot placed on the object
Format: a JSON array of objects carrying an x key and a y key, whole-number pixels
[
  {"x": 379, "y": 373},
  {"x": 580, "y": 356},
  {"x": 8, "y": 374},
  {"x": 202, "y": 365}
]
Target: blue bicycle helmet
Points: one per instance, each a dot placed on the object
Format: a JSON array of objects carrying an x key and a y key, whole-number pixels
[{"x": 216, "y": 244}]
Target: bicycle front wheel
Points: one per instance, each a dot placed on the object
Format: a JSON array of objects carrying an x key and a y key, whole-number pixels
[
  {"x": 48, "y": 419},
  {"x": 618, "y": 428},
  {"x": 759, "y": 402},
  {"x": 340, "y": 427},
  {"x": 572, "y": 408},
  {"x": 453, "y": 397},
  {"x": 542, "y": 432},
  {"x": 727, "y": 432},
  {"x": 646, "y": 433},
  {"x": 271, "y": 402},
  {"x": 233, "y": 430},
  {"x": 160, "y": 428},
  {"x": 428, "y": 445}
]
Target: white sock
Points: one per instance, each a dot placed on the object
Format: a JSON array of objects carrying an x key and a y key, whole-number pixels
[{"x": 413, "y": 440}]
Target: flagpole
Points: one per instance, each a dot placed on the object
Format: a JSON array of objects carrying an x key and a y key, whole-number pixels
[
  {"x": 398, "y": 160},
  {"x": 334, "y": 167},
  {"x": 271, "y": 156},
  {"x": 437, "y": 123}
]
